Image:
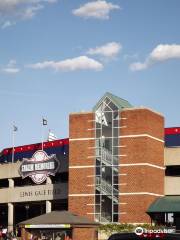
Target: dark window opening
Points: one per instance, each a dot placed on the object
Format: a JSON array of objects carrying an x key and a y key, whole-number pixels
[
  {"x": 60, "y": 205},
  {"x": 60, "y": 178},
  {"x": 19, "y": 182},
  {"x": 172, "y": 171},
  {"x": 4, "y": 183}
]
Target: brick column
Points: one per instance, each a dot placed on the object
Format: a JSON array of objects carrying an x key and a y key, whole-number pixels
[
  {"x": 82, "y": 164},
  {"x": 85, "y": 233},
  {"x": 141, "y": 163}
]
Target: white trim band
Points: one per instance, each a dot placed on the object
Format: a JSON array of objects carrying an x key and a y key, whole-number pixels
[
  {"x": 82, "y": 195},
  {"x": 141, "y": 193},
  {"x": 141, "y": 135},
  {"x": 121, "y": 194},
  {"x": 120, "y": 165},
  {"x": 122, "y": 136},
  {"x": 92, "y": 204},
  {"x": 114, "y": 213},
  {"x": 141, "y": 164},
  {"x": 122, "y": 155},
  {"x": 119, "y": 174},
  {"x": 88, "y": 166},
  {"x": 120, "y": 146}
]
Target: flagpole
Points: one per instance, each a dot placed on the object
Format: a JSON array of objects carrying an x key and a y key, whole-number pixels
[
  {"x": 13, "y": 144},
  {"x": 44, "y": 123},
  {"x": 42, "y": 134}
]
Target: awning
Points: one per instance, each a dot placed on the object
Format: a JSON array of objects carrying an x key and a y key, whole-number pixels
[
  {"x": 165, "y": 204},
  {"x": 57, "y": 219}
]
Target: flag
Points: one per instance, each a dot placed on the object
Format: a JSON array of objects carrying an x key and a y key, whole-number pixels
[
  {"x": 15, "y": 128},
  {"x": 44, "y": 122},
  {"x": 51, "y": 136}
]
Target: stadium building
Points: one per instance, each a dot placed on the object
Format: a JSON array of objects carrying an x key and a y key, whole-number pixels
[
  {"x": 166, "y": 210},
  {"x": 21, "y": 195},
  {"x": 110, "y": 169}
]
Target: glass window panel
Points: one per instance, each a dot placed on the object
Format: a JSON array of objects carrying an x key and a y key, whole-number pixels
[
  {"x": 98, "y": 170},
  {"x": 107, "y": 101},
  {"x": 115, "y": 123},
  {"x": 106, "y": 131},
  {"x": 115, "y": 150},
  {"x": 98, "y": 143},
  {"x": 115, "y": 132},
  {"x": 115, "y": 141},
  {"x": 98, "y": 133},
  {"x": 115, "y": 217},
  {"x": 112, "y": 106},
  {"x": 115, "y": 178}
]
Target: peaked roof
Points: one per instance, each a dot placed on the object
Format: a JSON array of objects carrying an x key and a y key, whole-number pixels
[
  {"x": 58, "y": 217},
  {"x": 119, "y": 102}
]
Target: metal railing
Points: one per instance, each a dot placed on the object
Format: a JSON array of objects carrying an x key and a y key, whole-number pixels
[
  {"x": 105, "y": 217},
  {"x": 106, "y": 156},
  {"x": 103, "y": 185}
]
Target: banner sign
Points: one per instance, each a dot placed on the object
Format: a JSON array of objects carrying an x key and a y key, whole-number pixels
[
  {"x": 48, "y": 226},
  {"x": 39, "y": 167}
]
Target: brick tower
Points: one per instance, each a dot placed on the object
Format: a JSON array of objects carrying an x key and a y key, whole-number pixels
[
  {"x": 82, "y": 164},
  {"x": 116, "y": 162}
]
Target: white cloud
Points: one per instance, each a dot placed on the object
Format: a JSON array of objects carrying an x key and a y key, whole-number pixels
[
  {"x": 161, "y": 53},
  {"x": 12, "y": 11},
  {"x": 31, "y": 11},
  {"x": 78, "y": 63},
  {"x": 165, "y": 52},
  {"x": 11, "y": 70},
  {"x": 11, "y": 67},
  {"x": 109, "y": 50},
  {"x": 138, "y": 66},
  {"x": 7, "y": 24},
  {"x": 96, "y": 9}
]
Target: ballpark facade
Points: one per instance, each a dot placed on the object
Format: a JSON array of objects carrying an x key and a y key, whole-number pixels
[{"x": 110, "y": 169}]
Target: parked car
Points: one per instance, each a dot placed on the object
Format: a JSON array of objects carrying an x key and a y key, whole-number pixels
[
  {"x": 124, "y": 236},
  {"x": 133, "y": 236}
]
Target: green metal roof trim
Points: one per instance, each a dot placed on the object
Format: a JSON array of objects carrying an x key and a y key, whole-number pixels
[
  {"x": 119, "y": 102},
  {"x": 165, "y": 204}
]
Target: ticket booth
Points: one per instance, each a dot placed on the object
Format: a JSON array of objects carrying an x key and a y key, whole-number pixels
[{"x": 59, "y": 225}]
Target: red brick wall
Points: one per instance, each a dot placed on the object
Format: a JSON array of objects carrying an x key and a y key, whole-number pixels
[
  {"x": 80, "y": 181},
  {"x": 142, "y": 121},
  {"x": 134, "y": 211},
  {"x": 85, "y": 234},
  {"x": 81, "y": 164},
  {"x": 79, "y": 206},
  {"x": 79, "y": 123},
  {"x": 143, "y": 150},
  {"x": 141, "y": 181}
]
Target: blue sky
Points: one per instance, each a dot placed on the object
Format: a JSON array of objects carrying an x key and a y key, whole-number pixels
[{"x": 61, "y": 56}]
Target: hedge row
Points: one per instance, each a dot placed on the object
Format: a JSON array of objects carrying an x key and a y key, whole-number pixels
[{"x": 124, "y": 227}]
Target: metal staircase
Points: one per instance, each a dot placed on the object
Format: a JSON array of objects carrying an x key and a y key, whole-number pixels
[
  {"x": 106, "y": 189},
  {"x": 106, "y": 157}
]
